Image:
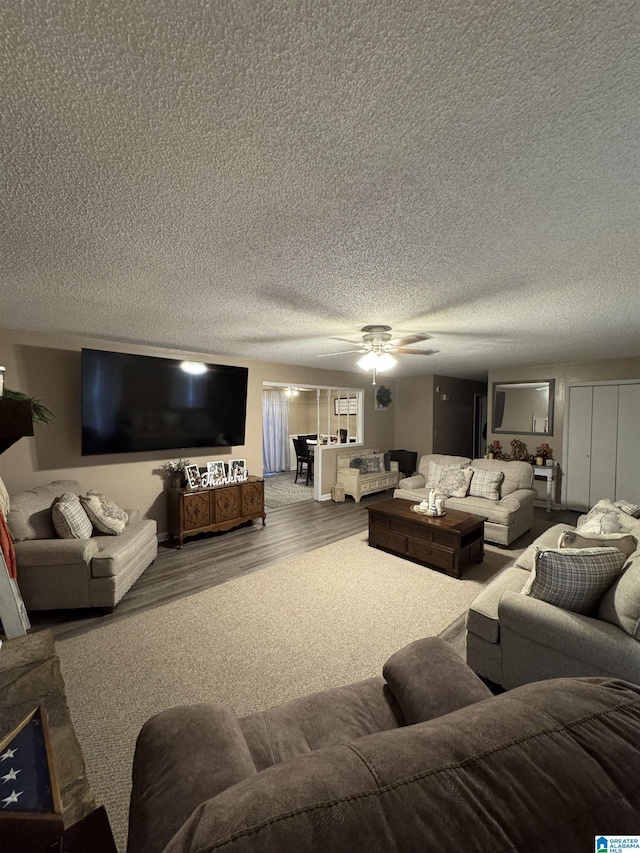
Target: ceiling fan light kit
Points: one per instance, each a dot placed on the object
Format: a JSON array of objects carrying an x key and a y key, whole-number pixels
[{"x": 377, "y": 346}]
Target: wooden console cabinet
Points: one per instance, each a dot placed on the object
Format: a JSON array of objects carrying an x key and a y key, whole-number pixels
[{"x": 193, "y": 511}]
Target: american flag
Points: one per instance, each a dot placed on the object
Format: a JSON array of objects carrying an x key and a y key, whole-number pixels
[{"x": 26, "y": 783}]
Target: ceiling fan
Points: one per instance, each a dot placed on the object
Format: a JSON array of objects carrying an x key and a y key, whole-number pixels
[{"x": 377, "y": 347}]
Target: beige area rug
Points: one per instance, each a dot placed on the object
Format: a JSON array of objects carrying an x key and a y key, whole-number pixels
[{"x": 322, "y": 619}]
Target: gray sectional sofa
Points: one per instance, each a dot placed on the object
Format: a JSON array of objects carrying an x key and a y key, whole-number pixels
[
  {"x": 422, "y": 759},
  {"x": 509, "y": 514},
  {"x": 55, "y": 573},
  {"x": 514, "y": 639}
]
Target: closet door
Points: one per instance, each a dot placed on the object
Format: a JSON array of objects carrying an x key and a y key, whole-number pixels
[
  {"x": 604, "y": 440},
  {"x": 578, "y": 465},
  {"x": 603, "y": 449},
  {"x": 628, "y": 462}
]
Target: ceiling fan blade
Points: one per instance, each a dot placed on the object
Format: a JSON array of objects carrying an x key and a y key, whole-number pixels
[
  {"x": 409, "y": 339},
  {"x": 405, "y": 351},
  {"x": 340, "y": 352}
]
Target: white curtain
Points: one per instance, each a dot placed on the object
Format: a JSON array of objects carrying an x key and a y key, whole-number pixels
[{"x": 275, "y": 431}]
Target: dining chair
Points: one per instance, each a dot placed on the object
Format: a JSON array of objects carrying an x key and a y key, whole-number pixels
[{"x": 304, "y": 460}]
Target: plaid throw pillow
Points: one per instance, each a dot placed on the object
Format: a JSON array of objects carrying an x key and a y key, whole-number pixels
[
  {"x": 435, "y": 471},
  {"x": 69, "y": 518},
  {"x": 574, "y": 578},
  {"x": 486, "y": 484}
]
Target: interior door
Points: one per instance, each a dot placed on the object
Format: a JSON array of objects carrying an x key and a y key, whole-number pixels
[
  {"x": 628, "y": 461},
  {"x": 603, "y": 444},
  {"x": 578, "y": 465}
]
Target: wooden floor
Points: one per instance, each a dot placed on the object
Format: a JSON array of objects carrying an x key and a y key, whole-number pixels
[{"x": 212, "y": 559}]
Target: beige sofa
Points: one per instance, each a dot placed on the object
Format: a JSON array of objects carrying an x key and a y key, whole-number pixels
[
  {"x": 375, "y": 479},
  {"x": 508, "y": 517},
  {"x": 514, "y": 639},
  {"x": 55, "y": 573}
]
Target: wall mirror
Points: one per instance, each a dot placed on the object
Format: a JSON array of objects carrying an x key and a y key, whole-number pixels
[{"x": 523, "y": 408}]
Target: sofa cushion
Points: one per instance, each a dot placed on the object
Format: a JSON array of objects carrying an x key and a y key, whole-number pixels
[
  {"x": 573, "y": 578},
  {"x": 517, "y": 475},
  {"x": 106, "y": 516},
  {"x": 547, "y": 539},
  {"x": 440, "y": 459},
  {"x": 624, "y": 542},
  {"x": 115, "y": 553},
  {"x": 486, "y": 484},
  {"x": 69, "y": 518},
  {"x": 492, "y": 510},
  {"x": 30, "y": 515},
  {"x": 454, "y": 482},
  {"x": 620, "y": 604}
]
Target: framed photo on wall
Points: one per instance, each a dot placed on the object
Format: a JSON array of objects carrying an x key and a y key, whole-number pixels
[{"x": 345, "y": 405}]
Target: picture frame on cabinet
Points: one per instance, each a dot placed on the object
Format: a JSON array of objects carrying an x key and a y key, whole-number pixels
[
  {"x": 238, "y": 470},
  {"x": 217, "y": 474},
  {"x": 194, "y": 478}
]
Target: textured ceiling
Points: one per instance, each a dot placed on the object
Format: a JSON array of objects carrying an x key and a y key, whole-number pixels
[{"x": 251, "y": 178}]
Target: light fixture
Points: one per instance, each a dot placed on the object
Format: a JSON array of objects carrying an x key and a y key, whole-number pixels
[
  {"x": 195, "y": 368},
  {"x": 377, "y": 362},
  {"x": 292, "y": 391}
]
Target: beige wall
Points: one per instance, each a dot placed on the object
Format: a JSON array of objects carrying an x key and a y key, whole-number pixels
[
  {"x": 48, "y": 367},
  {"x": 564, "y": 375},
  {"x": 414, "y": 414}
]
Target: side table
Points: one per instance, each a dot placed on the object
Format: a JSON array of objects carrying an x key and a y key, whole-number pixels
[{"x": 548, "y": 473}]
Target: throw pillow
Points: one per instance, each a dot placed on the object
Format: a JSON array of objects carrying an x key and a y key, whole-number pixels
[
  {"x": 374, "y": 464},
  {"x": 631, "y": 509},
  {"x": 486, "y": 484},
  {"x": 387, "y": 461},
  {"x": 621, "y": 602},
  {"x": 359, "y": 463},
  {"x": 435, "y": 471},
  {"x": 454, "y": 482},
  {"x": 624, "y": 542},
  {"x": 69, "y": 518},
  {"x": 573, "y": 578},
  {"x": 606, "y": 517},
  {"x": 106, "y": 516}
]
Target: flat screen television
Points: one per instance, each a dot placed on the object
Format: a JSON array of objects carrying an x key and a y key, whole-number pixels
[{"x": 132, "y": 403}]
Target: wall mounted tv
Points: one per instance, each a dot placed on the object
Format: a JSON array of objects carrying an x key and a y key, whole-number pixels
[{"x": 132, "y": 403}]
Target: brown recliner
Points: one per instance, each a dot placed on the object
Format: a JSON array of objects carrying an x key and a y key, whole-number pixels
[{"x": 424, "y": 759}]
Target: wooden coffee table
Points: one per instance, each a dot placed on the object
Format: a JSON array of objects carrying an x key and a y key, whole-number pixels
[{"x": 450, "y": 543}]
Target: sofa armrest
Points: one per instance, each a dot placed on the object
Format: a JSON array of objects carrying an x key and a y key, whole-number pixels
[
  {"x": 603, "y": 649},
  {"x": 521, "y": 497},
  {"x": 184, "y": 756},
  {"x": 428, "y": 679},
  {"x": 415, "y": 482},
  {"x": 55, "y": 552}
]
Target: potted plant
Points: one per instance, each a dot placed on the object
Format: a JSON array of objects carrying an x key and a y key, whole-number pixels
[{"x": 174, "y": 471}]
